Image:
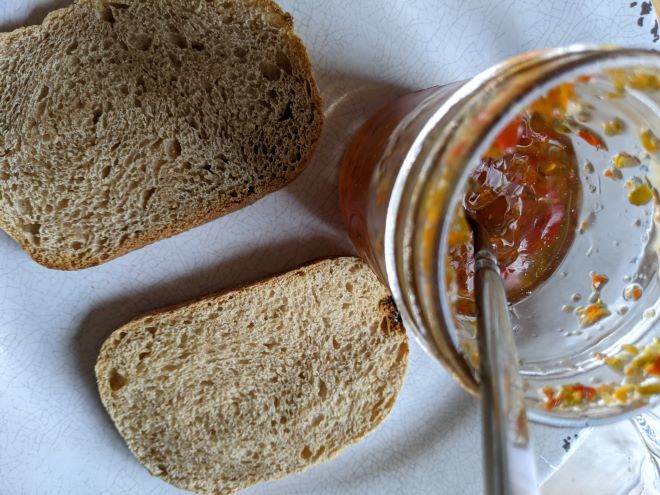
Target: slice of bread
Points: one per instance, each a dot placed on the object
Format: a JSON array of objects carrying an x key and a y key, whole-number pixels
[
  {"x": 251, "y": 385},
  {"x": 124, "y": 122}
]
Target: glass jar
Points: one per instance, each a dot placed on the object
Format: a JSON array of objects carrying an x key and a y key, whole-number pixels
[{"x": 405, "y": 172}]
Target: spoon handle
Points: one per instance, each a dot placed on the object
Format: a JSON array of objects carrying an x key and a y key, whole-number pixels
[{"x": 508, "y": 457}]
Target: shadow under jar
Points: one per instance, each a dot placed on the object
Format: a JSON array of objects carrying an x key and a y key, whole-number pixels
[{"x": 557, "y": 153}]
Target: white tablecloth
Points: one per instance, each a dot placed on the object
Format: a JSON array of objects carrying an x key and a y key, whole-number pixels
[{"x": 55, "y": 437}]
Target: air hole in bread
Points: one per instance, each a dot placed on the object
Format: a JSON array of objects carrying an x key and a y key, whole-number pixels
[
  {"x": 43, "y": 93},
  {"x": 286, "y": 114},
  {"x": 24, "y": 206},
  {"x": 62, "y": 204},
  {"x": 173, "y": 148},
  {"x": 178, "y": 40},
  {"x": 283, "y": 61},
  {"x": 141, "y": 41},
  {"x": 318, "y": 453},
  {"x": 175, "y": 62},
  {"x": 375, "y": 411},
  {"x": 146, "y": 196},
  {"x": 97, "y": 115},
  {"x": 384, "y": 325},
  {"x": 106, "y": 171},
  {"x": 349, "y": 287},
  {"x": 39, "y": 110},
  {"x": 31, "y": 228},
  {"x": 151, "y": 330},
  {"x": 197, "y": 46},
  {"x": 240, "y": 52},
  {"x": 270, "y": 71},
  {"x": 105, "y": 14},
  {"x": 355, "y": 268},
  {"x": 116, "y": 380},
  {"x": 306, "y": 453},
  {"x": 323, "y": 390},
  {"x": 73, "y": 46},
  {"x": 118, "y": 5},
  {"x": 76, "y": 245},
  {"x": 317, "y": 420}
]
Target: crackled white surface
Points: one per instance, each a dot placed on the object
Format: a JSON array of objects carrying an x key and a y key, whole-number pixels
[{"x": 55, "y": 437}]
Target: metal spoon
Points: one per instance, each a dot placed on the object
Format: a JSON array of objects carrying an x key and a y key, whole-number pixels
[{"x": 508, "y": 456}]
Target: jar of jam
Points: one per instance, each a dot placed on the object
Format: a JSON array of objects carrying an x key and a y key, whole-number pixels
[{"x": 529, "y": 148}]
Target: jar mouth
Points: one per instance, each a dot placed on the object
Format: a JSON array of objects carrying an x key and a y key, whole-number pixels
[{"x": 459, "y": 135}]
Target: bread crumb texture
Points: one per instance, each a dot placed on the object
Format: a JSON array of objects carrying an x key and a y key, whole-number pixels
[
  {"x": 258, "y": 383},
  {"x": 125, "y": 122}
]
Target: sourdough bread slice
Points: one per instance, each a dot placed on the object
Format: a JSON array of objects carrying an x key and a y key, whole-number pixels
[
  {"x": 251, "y": 385},
  {"x": 124, "y": 122}
]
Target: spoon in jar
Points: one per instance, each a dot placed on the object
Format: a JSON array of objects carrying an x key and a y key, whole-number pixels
[{"x": 508, "y": 456}]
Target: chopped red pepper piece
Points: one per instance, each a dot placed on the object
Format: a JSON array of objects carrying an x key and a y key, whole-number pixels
[
  {"x": 598, "y": 281},
  {"x": 592, "y": 138},
  {"x": 509, "y": 136},
  {"x": 653, "y": 368}
]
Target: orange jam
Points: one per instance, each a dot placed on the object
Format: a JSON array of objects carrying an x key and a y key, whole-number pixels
[{"x": 525, "y": 193}]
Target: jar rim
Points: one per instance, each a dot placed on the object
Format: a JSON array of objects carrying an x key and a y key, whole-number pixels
[{"x": 537, "y": 72}]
